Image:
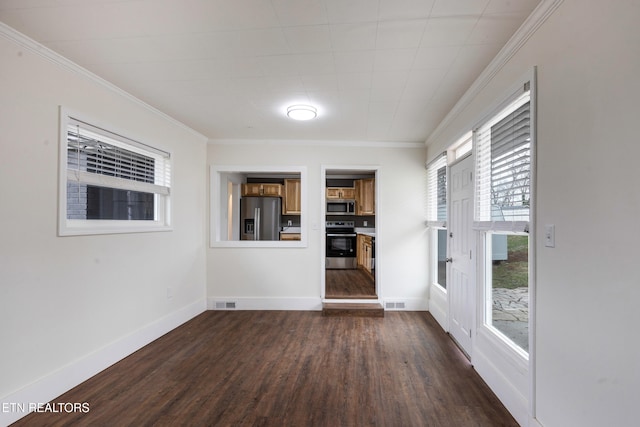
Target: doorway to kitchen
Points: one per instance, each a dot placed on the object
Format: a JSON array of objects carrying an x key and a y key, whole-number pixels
[{"x": 349, "y": 199}]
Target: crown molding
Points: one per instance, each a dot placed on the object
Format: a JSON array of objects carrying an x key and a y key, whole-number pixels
[
  {"x": 519, "y": 38},
  {"x": 317, "y": 143},
  {"x": 39, "y": 49}
]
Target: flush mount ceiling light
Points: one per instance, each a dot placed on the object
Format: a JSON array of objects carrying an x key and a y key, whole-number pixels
[{"x": 302, "y": 112}]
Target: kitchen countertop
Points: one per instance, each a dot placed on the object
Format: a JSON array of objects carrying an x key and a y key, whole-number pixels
[
  {"x": 291, "y": 230},
  {"x": 366, "y": 231}
]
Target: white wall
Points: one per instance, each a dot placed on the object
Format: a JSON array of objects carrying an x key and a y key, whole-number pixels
[
  {"x": 290, "y": 277},
  {"x": 68, "y": 300},
  {"x": 587, "y": 286}
]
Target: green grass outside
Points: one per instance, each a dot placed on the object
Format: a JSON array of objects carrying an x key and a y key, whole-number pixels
[{"x": 514, "y": 272}]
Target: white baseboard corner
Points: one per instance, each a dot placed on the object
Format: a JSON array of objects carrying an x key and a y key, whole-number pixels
[
  {"x": 56, "y": 383},
  {"x": 533, "y": 422}
]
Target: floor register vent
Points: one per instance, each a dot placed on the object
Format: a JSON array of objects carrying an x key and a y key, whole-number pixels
[
  {"x": 225, "y": 305},
  {"x": 389, "y": 305}
]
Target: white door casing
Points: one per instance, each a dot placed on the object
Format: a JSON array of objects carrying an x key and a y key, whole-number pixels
[{"x": 460, "y": 269}]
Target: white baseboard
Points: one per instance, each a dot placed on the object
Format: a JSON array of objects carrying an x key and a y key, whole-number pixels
[
  {"x": 534, "y": 423},
  {"x": 56, "y": 383},
  {"x": 439, "y": 306},
  {"x": 305, "y": 304},
  {"x": 504, "y": 389},
  {"x": 244, "y": 303},
  {"x": 405, "y": 304}
]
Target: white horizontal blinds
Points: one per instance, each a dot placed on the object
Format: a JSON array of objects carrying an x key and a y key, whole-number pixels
[
  {"x": 511, "y": 164},
  {"x": 437, "y": 189},
  {"x": 98, "y": 157},
  {"x": 503, "y": 164},
  {"x": 442, "y": 193}
]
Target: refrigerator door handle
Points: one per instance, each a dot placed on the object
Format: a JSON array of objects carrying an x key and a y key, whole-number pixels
[{"x": 256, "y": 229}]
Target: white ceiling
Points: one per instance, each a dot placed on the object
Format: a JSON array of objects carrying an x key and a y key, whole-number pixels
[{"x": 377, "y": 70}]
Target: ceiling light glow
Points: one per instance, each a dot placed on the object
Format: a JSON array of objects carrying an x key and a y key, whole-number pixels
[{"x": 302, "y": 112}]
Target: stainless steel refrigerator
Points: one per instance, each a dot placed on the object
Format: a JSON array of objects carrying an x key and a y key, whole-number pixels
[{"x": 260, "y": 218}]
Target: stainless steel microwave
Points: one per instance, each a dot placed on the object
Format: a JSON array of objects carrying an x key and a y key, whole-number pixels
[{"x": 341, "y": 207}]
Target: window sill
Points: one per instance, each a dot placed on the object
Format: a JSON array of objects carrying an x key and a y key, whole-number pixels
[
  {"x": 110, "y": 227},
  {"x": 260, "y": 244}
]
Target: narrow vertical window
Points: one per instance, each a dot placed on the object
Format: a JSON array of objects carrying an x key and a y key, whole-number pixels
[
  {"x": 502, "y": 212},
  {"x": 437, "y": 217}
]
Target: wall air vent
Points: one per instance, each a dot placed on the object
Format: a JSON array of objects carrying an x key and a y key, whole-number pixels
[
  {"x": 225, "y": 305},
  {"x": 394, "y": 305}
]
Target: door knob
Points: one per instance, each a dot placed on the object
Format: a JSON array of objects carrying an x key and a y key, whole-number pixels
[{"x": 448, "y": 260}]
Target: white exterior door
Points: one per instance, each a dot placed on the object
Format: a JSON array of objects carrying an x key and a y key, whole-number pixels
[{"x": 461, "y": 279}]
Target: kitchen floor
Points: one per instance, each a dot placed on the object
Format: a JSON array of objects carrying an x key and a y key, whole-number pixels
[{"x": 349, "y": 284}]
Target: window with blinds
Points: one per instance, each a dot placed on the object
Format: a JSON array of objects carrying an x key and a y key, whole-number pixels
[
  {"x": 437, "y": 189},
  {"x": 111, "y": 180},
  {"x": 503, "y": 164}
]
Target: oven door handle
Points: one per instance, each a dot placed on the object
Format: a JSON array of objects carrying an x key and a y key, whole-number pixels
[{"x": 341, "y": 235}]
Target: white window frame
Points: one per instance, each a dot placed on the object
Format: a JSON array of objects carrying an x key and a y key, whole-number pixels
[
  {"x": 463, "y": 147},
  {"x": 161, "y": 188},
  {"x": 482, "y": 209},
  {"x": 432, "y": 189},
  {"x": 485, "y": 228},
  {"x": 433, "y": 223},
  {"x": 217, "y": 229},
  {"x": 487, "y": 311}
]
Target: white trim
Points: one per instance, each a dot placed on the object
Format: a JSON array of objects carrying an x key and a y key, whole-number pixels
[
  {"x": 323, "y": 219},
  {"x": 507, "y": 226},
  {"x": 54, "y": 384},
  {"x": 519, "y": 38},
  {"x": 79, "y": 227},
  {"x": 534, "y": 423},
  {"x": 436, "y": 224},
  {"x": 410, "y": 304},
  {"x": 306, "y": 304},
  {"x": 491, "y": 371},
  {"x": 266, "y": 303},
  {"x": 533, "y": 227},
  {"x": 37, "y": 48},
  {"x": 439, "y": 305},
  {"x": 508, "y": 370},
  {"x": 112, "y": 182},
  {"x": 317, "y": 143},
  {"x": 215, "y": 231}
]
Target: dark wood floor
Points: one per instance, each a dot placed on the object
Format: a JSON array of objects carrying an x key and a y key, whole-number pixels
[
  {"x": 346, "y": 284},
  {"x": 286, "y": 368}
]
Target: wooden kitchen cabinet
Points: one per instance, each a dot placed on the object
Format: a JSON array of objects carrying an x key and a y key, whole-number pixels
[
  {"x": 341, "y": 193},
  {"x": 290, "y": 236},
  {"x": 365, "y": 190},
  {"x": 292, "y": 203},
  {"x": 364, "y": 252},
  {"x": 262, "y": 189}
]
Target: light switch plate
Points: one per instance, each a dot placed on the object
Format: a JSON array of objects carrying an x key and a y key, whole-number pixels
[{"x": 550, "y": 236}]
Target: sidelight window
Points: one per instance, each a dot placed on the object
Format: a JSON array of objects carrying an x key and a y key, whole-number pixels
[{"x": 437, "y": 217}]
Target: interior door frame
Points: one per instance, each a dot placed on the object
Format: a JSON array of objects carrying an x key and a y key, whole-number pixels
[
  {"x": 375, "y": 169},
  {"x": 473, "y": 271}
]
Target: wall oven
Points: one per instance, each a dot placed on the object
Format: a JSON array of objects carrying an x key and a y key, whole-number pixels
[
  {"x": 341, "y": 245},
  {"x": 341, "y": 207}
]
